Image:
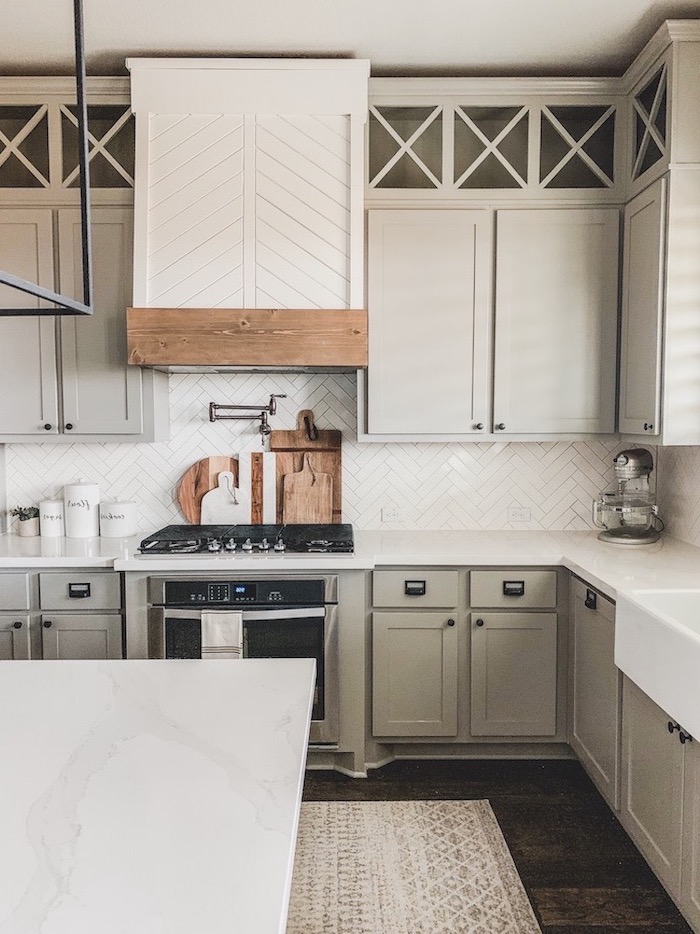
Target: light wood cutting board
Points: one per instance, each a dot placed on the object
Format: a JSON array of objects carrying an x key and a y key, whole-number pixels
[
  {"x": 307, "y": 496},
  {"x": 200, "y": 479},
  {"x": 324, "y": 454}
]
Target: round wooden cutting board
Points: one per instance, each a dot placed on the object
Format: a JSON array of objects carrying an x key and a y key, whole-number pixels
[{"x": 200, "y": 479}]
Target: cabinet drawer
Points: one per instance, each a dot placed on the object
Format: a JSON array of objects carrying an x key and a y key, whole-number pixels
[
  {"x": 14, "y": 591},
  {"x": 415, "y": 588},
  {"x": 513, "y": 588},
  {"x": 80, "y": 591}
]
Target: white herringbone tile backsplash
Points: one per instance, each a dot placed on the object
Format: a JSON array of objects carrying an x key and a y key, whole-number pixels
[
  {"x": 679, "y": 492},
  {"x": 434, "y": 485}
]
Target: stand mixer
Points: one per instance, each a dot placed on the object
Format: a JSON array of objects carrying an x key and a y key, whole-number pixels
[{"x": 628, "y": 514}]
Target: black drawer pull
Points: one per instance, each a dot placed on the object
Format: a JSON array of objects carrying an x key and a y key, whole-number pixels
[
  {"x": 414, "y": 588},
  {"x": 450, "y": 622},
  {"x": 591, "y": 600},
  {"x": 17, "y": 624},
  {"x": 78, "y": 591},
  {"x": 479, "y": 622},
  {"x": 513, "y": 588},
  {"x": 48, "y": 624},
  {"x": 685, "y": 737}
]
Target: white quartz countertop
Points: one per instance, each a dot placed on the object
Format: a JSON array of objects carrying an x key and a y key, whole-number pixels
[
  {"x": 611, "y": 568},
  {"x": 148, "y": 797}
]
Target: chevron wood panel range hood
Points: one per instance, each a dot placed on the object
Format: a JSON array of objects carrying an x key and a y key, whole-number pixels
[
  {"x": 261, "y": 338},
  {"x": 249, "y": 226}
]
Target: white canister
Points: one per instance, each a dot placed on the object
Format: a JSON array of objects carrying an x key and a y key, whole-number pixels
[
  {"x": 51, "y": 522},
  {"x": 118, "y": 519},
  {"x": 82, "y": 515}
]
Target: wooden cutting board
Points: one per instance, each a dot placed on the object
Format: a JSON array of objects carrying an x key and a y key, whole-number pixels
[
  {"x": 324, "y": 454},
  {"x": 200, "y": 479},
  {"x": 307, "y": 496}
]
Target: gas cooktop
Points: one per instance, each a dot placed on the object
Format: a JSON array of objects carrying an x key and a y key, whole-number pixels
[{"x": 249, "y": 540}]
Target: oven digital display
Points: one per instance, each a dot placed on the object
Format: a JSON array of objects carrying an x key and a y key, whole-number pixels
[{"x": 227, "y": 592}]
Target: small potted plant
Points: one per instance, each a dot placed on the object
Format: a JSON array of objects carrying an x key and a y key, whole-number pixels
[{"x": 28, "y": 519}]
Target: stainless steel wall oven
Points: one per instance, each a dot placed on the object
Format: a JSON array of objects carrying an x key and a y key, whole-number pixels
[{"x": 281, "y": 617}]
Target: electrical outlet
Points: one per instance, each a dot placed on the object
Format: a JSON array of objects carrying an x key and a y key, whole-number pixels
[
  {"x": 391, "y": 514},
  {"x": 518, "y": 514}
]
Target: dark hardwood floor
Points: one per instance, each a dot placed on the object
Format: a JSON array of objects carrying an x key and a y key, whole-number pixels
[{"x": 582, "y": 873}]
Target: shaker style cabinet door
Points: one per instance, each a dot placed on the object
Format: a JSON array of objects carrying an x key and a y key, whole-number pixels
[
  {"x": 556, "y": 320},
  {"x": 596, "y": 689},
  {"x": 88, "y": 635},
  {"x": 101, "y": 394},
  {"x": 429, "y": 292},
  {"x": 414, "y": 674},
  {"x": 14, "y": 636},
  {"x": 642, "y": 311},
  {"x": 27, "y": 344}
]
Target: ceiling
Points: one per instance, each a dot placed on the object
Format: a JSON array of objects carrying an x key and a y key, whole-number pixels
[{"x": 400, "y": 37}]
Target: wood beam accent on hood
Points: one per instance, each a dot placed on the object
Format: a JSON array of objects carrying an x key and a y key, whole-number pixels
[{"x": 255, "y": 337}]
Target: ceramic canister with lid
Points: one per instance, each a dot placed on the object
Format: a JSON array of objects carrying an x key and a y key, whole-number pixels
[
  {"x": 51, "y": 522},
  {"x": 82, "y": 514},
  {"x": 118, "y": 518}
]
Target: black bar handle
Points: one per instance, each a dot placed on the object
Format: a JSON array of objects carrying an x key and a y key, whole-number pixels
[
  {"x": 78, "y": 591},
  {"x": 414, "y": 588},
  {"x": 591, "y": 600},
  {"x": 513, "y": 588}
]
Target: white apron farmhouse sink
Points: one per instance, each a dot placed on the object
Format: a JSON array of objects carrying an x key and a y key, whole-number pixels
[{"x": 657, "y": 645}]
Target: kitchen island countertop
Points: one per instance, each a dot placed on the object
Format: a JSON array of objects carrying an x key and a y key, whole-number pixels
[{"x": 146, "y": 797}]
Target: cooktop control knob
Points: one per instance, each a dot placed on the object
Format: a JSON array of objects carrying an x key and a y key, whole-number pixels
[
  {"x": 214, "y": 545},
  {"x": 247, "y": 545},
  {"x": 279, "y": 545},
  {"x": 264, "y": 545},
  {"x": 230, "y": 545}
]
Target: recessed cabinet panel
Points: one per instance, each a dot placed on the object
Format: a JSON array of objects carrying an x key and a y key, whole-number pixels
[
  {"x": 89, "y": 636},
  {"x": 14, "y": 637},
  {"x": 101, "y": 395},
  {"x": 513, "y": 589},
  {"x": 414, "y": 674},
  {"x": 14, "y": 591},
  {"x": 652, "y": 784},
  {"x": 514, "y": 674},
  {"x": 642, "y": 312},
  {"x": 27, "y": 344},
  {"x": 79, "y": 591},
  {"x": 429, "y": 279},
  {"x": 415, "y": 588},
  {"x": 596, "y": 689},
  {"x": 556, "y": 320}
]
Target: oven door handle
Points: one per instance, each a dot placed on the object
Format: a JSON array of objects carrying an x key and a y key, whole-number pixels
[{"x": 286, "y": 613}]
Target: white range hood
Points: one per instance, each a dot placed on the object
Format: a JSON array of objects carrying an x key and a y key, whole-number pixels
[{"x": 248, "y": 242}]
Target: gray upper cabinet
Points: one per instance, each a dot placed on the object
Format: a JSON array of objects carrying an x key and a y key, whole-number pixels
[{"x": 67, "y": 377}]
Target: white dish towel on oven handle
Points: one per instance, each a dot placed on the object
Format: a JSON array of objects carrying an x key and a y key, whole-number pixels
[{"x": 222, "y": 634}]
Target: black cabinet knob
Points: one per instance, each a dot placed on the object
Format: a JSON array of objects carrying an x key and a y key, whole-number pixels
[
  {"x": 47, "y": 427},
  {"x": 450, "y": 622},
  {"x": 685, "y": 737},
  {"x": 673, "y": 726},
  {"x": 69, "y": 426},
  {"x": 47, "y": 624},
  {"x": 500, "y": 426},
  {"x": 479, "y": 426},
  {"x": 479, "y": 622},
  {"x": 17, "y": 624},
  {"x": 648, "y": 426}
]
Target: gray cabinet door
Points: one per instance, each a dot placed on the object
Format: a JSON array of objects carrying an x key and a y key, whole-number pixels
[
  {"x": 652, "y": 784},
  {"x": 514, "y": 674},
  {"x": 414, "y": 674},
  {"x": 101, "y": 394},
  {"x": 596, "y": 689},
  {"x": 642, "y": 311},
  {"x": 14, "y": 636},
  {"x": 27, "y": 344},
  {"x": 90, "y": 635},
  {"x": 690, "y": 872}
]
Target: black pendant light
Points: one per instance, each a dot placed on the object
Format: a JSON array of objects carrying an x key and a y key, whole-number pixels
[{"x": 64, "y": 305}]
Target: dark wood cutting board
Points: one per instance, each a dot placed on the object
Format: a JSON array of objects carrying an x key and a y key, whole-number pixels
[
  {"x": 324, "y": 457},
  {"x": 200, "y": 479}
]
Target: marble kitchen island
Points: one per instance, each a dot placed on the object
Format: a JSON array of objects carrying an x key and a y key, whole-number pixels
[{"x": 150, "y": 798}]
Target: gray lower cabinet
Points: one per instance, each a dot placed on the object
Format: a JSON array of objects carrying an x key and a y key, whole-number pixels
[
  {"x": 81, "y": 615},
  {"x": 414, "y": 674},
  {"x": 658, "y": 773},
  {"x": 14, "y": 636},
  {"x": 415, "y": 644},
  {"x": 513, "y": 674},
  {"x": 690, "y": 874},
  {"x": 595, "y": 689},
  {"x": 514, "y": 653},
  {"x": 88, "y": 635}
]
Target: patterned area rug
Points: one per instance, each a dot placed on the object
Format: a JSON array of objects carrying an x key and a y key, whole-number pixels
[{"x": 405, "y": 867}]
